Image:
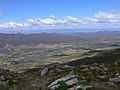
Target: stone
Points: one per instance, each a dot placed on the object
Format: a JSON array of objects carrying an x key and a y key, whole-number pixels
[
  {"x": 53, "y": 67},
  {"x": 70, "y": 80},
  {"x": 117, "y": 79}
]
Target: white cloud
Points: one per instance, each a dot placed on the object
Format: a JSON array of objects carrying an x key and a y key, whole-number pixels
[
  {"x": 103, "y": 17},
  {"x": 10, "y": 25},
  {"x": 51, "y": 22},
  {"x": 108, "y": 17}
]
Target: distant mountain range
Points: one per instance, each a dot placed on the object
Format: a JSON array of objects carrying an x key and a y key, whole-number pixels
[
  {"x": 101, "y": 35},
  {"x": 53, "y": 38},
  {"x": 84, "y": 30},
  {"x": 47, "y": 38}
]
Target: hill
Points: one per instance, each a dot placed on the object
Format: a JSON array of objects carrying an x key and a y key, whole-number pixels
[
  {"x": 32, "y": 39},
  {"x": 108, "y": 56},
  {"x": 53, "y": 38}
]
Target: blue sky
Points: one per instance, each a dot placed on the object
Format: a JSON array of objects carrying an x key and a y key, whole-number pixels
[{"x": 61, "y": 14}]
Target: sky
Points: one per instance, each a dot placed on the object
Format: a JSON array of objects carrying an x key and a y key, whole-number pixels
[{"x": 59, "y": 14}]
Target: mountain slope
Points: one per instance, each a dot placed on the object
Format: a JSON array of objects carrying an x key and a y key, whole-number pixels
[{"x": 108, "y": 56}]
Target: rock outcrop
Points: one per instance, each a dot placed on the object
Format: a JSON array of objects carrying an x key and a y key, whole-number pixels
[
  {"x": 117, "y": 79},
  {"x": 70, "y": 81},
  {"x": 53, "y": 68}
]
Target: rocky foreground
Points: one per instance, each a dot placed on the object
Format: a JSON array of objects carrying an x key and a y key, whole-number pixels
[{"x": 56, "y": 76}]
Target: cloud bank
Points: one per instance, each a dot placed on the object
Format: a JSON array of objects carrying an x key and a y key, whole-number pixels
[{"x": 109, "y": 19}]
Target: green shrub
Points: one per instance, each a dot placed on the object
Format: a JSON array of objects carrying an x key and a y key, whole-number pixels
[{"x": 62, "y": 86}]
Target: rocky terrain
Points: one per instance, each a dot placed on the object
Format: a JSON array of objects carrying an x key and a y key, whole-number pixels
[{"x": 102, "y": 73}]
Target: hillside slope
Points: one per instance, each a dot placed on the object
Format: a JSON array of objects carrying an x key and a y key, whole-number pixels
[{"x": 104, "y": 57}]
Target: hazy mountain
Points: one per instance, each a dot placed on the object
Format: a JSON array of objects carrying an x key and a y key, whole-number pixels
[
  {"x": 48, "y": 38},
  {"x": 53, "y": 38}
]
